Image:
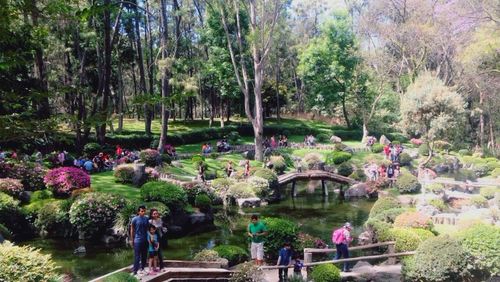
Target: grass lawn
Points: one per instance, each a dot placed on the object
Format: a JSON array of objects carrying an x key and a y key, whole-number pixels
[{"x": 105, "y": 182}]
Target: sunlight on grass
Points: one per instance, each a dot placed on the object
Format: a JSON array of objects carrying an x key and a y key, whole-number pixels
[{"x": 105, "y": 182}]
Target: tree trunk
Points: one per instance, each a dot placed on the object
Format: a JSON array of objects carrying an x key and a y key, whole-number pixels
[
  {"x": 365, "y": 133},
  {"x": 107, "y": 73},
  {"x": 221, "y": 111},
  {"x": 165, "y": 87},
  {"x": 120, "y": 98},
  {"x": 278, "y": 91},
  {"x": 481, "y": 119},
  {"x": 258, "y": 121},
  {"x": 228, "y": 110},
  {"x": 151, "y": 65},
  {"x": 344, "y": 111}
]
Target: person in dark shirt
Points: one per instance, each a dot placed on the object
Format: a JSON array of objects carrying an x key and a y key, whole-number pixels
[
  {"x": 297, "y": 267},
  {"x": 284, "y": 259},
  {"x": 138, "y": 236}
]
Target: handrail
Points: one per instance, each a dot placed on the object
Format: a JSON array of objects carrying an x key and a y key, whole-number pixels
[{"x": 318, "y": 251}]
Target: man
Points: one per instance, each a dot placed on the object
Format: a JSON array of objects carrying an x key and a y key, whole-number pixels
[
  {"x": 257, "y": 230},
  {"x": 138, "y": 236},
  {"x": 341, "y": 238}
]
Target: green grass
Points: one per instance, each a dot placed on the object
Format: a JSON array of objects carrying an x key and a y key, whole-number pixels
[{"x": 105, "y": 182}]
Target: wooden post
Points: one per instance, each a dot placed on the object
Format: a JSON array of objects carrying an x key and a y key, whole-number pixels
[
  {"x": 391, "y": 250},
  {"x": 325, "y": 189},
  {"x": 307, "y": 259},
  {"x": 294, "y": 189}
]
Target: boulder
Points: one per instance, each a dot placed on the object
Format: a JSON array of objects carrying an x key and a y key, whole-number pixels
[
  {"x": 335, "y": 139},
  {"x": 140, "y": 175},
  {"x": 348, "y": 150},
  {"x": 357, "y": 190},
  {"x": 249, "y": 202},
  {"x": 110, "y": 239},
  {"x": 384, "y": 140},
  {"x": 249, "y": 155},
  {"x": 365, "y": 238}
]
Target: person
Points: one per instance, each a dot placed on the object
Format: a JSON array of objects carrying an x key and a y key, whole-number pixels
[
  {"x": 88, "y": 165},
  {"x": 284, "y": 259},
  {"x": 256, "y": 231},
  {"x": 387, "y": 151},
  {"x": 341, "y": 238},
  {"x": 155, "y": 219},
  {"x": 153, "y": 247},
  {"x": 138, "y": 235},
  {"x": 204, "y": 148},
  {"x": 273, "y": 142},
  {"x": 229, "y": 168},
  {"x": 381, "y": 171},
  {"x": 285, "y": 141},
  {"x": 246, "y": 173},
  {"x": 297, "y": 267},
  {"x": 119, "y": 151},
  {"x": 61, "y": 157},
  {"x": 2, "y": 155},
  {"x": 201, "y": 173},
  {"x": 390, "y": 173}
]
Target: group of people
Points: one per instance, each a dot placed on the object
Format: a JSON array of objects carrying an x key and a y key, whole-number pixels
[
  {"x": 206, "y": 148},
  {"x": 309, "y": 140},
  {"x": 273, "y": 142},
  {"x": 392, "y": 152},
  {"x": 223, "y": 146}
]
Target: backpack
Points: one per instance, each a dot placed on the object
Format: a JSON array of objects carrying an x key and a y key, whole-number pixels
[{"x": 338, "y": 236}]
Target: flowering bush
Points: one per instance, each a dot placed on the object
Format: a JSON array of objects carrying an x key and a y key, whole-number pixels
[
  {"x": 30, "y": 174},
  {"x": 124, "y": 173},
  {"x": 150, "y": 157},
  {"x": 63, "y": 180},
  {"x": 259, "y": 185},
  {"x": 305, "y": 240},
  {"x": 207, "y": 255},
  {"x": 152, "y": 173},
  {"x": 92, "y": 213},
  {"x": 416, "y": 141},
  {"x": 11, "y": 187},
  {"x": 414, "y": 220}
]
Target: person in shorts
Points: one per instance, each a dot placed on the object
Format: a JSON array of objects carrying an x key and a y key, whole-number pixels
[{"x": 257, "y": 230}]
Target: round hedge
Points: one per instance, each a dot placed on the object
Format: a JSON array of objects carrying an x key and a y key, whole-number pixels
[
  {"x": 408, "y": 239},
  {"x": 479, "y": 201},
  {"x": 62, "y": 181},
  {"x": 439, "y": 259},
  {"x": 150, "y": 157},
  {"x": 407, "y": 183},
  {"x": 488, "y": 192},
  {"x": 259, "y": 185},
  {"x": 279, "y": 164},
  {"x": 240, "y": 190},
  {"x": 280, "y": 230},
  {"x": 377, "y": 148},
  {"x": 53, "y": 219},
  {"x": 383, "y": 204},
  {"x": 268, "y": 175},
  {"x": 12, "y": 187},
  {"x": 337, "y": 157},
  {"x": 389, "y": 215},
  {"x": 358, "y": 175},
  {"x": 405, "y": 159},
  {"x": 322, "y": 138},
  {"x": 91, "y": 149},
  {"x": 326, "y": 273},
  {"x": 381, "y": 229},
  {"x": 233, "y": 254},
  {"x": 423, "y": 150},
  {"x": 413, "y": 219},
  {"x": 171, "y": 195},
  {"x": 124, "y": 173},
  {"x": 13, "y": 218},
  {"x": 203, "y": 202},
  {"x": 435, "y": 188},
  {"x": 345, "y": 169},
  {"x": 207, "y": 255},
  {"x": 312, "y": 160},
  {"x": 30, "y": 174}
]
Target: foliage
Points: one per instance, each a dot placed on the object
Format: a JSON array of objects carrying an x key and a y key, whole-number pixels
[
  {"x": 268, "y": 175},
  {"x": 483, "y": 243},
  {"x": 326, "y": 273},
  {"x": 52, "y": 219},
  {"x": 305, "y": 240},
  {"x": 344, "y": 169},
  {"x": 41, "y": 195},
  {"x": 247, "y": 272},
  {"x": 337, "y": 157},
  {"x": 312, "y": 160},
  {"x": 439, "y": 259},
  {"x": 280, "y": 230},
  {"x": 441, "y": 145},
  {"x": 488, "y": 192},
  {"x": 64, "y": 180},
  {"x": 389, "y": 215},
  {"x": 464, "y": 152},
  {"x": 150, "y": 157},
  {"x": 221, "y": 186},
  {"x": 259, "y": 185},
  {"x": 408, "y": 239},
  {"x": 407, "y": 183},
  {"x": 207, "y": 255},
  {"x": 423, "y": 150},
  {"x": 405, "y": 159},
  {"x": 435, "y": 188},
  {"x": 438, "y": 204},
  {"x": 279, "y": 164},
  {"x": 92, "y": 149},
  {"x": 495, "y": 172},
  {"x": 12, "y": 187},
  {"x": 233, "y": 254},
  {"x": 124, "y": 173},
  {"x": 233, "y": 137},
  {"x": 120, "y": 277},
  {"x": 481, "y": 170},
  {"x": 377, "y": 148},
  {"x": 413, "y": 219},
  {"x": 322, "y": 138},
  {"x": 26, "y": 264},
  {"x": 30, "y": 174},
  {"x": 240, "y": 190},
  {"x": 381, "y": 229},
  {"x": 479, "y": 201},
  {"x": 203, "y": 202},
  {"x": 358, "y": 175},
  {"x": 171, "y": 195},
  {"x": 383, "y": 204}
]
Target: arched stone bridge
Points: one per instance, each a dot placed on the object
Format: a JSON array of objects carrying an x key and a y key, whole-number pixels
[{"x": 322, "y": 175}]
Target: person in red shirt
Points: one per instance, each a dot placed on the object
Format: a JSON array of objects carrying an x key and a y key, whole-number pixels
[
  {"x": 119, "y": 151},
  {"x": 387, "y": 151}
]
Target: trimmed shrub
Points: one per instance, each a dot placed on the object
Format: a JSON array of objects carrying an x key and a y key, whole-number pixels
[
  {"x": 390, "y": 215},
  {"x": 52, "y": 219},
  {"x": 171, "y": 195},
  {"x": 481, "y": 170},
  {"x": 439, "y": 259},
  {"x": 121, "y": 277},
  {"x": 268, "y": 175},
  {"x": 441, "y": 145},
  {"x": 279, "y": 164},
  {"x": 423, "y": 150},
  {"x": 312, "y": 160},
  {"x": 377, "y": 148},
  {"x": 407, "y": 183},
  {"x": 280, "y": 230},
  {"x": 64, "y": 180},
  {"x": 479, "y": 201},
  {"x": 241, "y": 190},
  {"x": 41, "y": 195},
  {"x": 259, "y": 185},
  {"x": 93, "y": 213},
  {"x": 12, "y": 187},
  {"x": 436, "y": 188},
  {"x": 381, "y": 229},
  {"x": 383, "y": 204},
  {"x": 483, "y": 243},
  {"x": 234, "y": 254},
  {"x": 247, "y": 272},
  {"x": 91, "y": 149},
  {"x": 408, "y": 239},
  {"x": 438, "y": 204},
  {"x": 405, "y": 159},
  {"x": 207, "y": 255},
  {"x": 25, "y": 264},
  {"x": 150, "y": 157},
  {"x": 323, "y": 138},
  {"x": 203, "y": 202},
  {"x": 344, "y": 169},
  {"x": 358, "y": 175},
  {"x": 221, "y": 186},
  {"x": 414, "y": 220},
  {"x": 124, "y": 173},
  {"x": 326, "y": 273},
  {"x": 495, "y": 172},
  {"x": 233, "y": 137},
  {"x": 340, "y": 147},
  {"x": 337, "y": 157},
  {"x": 488, "y": 192}
]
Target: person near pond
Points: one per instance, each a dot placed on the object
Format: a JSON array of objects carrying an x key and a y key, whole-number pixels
[
  {"x": 246, "y": 173},
  {"x": 201, "y": 173},
  {"x": 284, "y": 259},
  {"x": 153, "y": 247},
  {"x": 138, "y": 236},
  {"x": 341, "y": 238},
  {"x": 257, "y": 230},
  {"x": 161, "y": 231},
  {"x": 297, "y": 267},
  {"x": 229, "y": 168}
]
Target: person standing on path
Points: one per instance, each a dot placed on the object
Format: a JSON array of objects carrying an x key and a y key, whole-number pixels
[
  {"x": 284, "y": 259},
  {"x": 257, "y": 230},
  {"x": 341, "y": 238},
  {"x": 155, "y": 219},
  {"x": 138, "y": 235}
]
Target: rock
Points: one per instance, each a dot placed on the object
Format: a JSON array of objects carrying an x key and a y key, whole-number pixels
[
  {"x": 366, "y": 237},
  {"x": 405, "y": 200},
  {"x": 249, "y": 155},
  {"x": 248, "y": 202},
  {"x": 348, "y": 150},
  {"x": 413, "y": 153},
  {"x": 384, "y": 140},
  {"x": 357, "y": 190},
  {"x": 441, "y": 168},
  {"x": 140, "y": 175},
  {"x": 361, "y": 264},
  {"x": 80, "y": 250},
  {"x": 453, "y": 163},
  {"x": 335, "y": 139}
]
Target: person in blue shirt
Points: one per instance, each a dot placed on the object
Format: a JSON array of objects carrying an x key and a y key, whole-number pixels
[
  {"x": 89, "y": 166},
  {"x": 284, "y": 259},
  {"x": 297, "y": 267},
  {"x": 138, "y": 236}
]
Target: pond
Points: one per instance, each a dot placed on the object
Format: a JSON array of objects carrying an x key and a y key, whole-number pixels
[{"x": 314, "y": 214}]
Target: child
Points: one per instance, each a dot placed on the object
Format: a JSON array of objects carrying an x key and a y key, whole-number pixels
[
  {"x": 284, "y": 259},
  {"x": 154, "y": 245},
  {"x": 297, "y": 267}
]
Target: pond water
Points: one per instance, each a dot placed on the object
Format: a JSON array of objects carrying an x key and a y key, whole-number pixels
[{"x": 315, "y": 214}]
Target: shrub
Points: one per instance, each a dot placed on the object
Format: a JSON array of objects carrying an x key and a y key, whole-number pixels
[
  {"x": 163, "y": 210},
  {"x": 358, "y": 175},
  {"x": 221, "y": 186},
  {"x": 280, "y": 230},
  {"x": 268, "y": 175},
  {"x": 312, "y": 160},
  {"x": 439, "y": 259},
  {"x": 495, "y": 172},
  {"x": 279, "y": 164},
  {"x": 381, "y": 229},
  {"x": 305, "y": 240},
  {"x": 166, "y": 159},
  {"x": 233, "y": 137},
  {"x": 207, "y": 255},
  {"x": 337, "y": 157},
  {"x": 150, "y": 157},
  {"x": 340, "y": 147},
  {"x": 344, "y": 169},
  {"x": 377, "y": 148},
  {"x": 404, "y": 159},
  {"x": 464, "y": 152},
  {"x": 25, "y": 264},
  {"x": 483, "y": 243},
  {"x": 120, "y": 277},
  {"x": 407, "y": 183},
  {"x": 435, "y": 188},
  {"x": 479, "y": 201},
  {"x": 438, "y": 204},
  {"x": 285, "y": 153},
  {"x": 52, "y": 219},
  {"x": 241, "y": 190},
  {"x": 63, "y": 180},
  {"x": 488, "y": 192},
  {"x": 93, "y": 213},
  {"x": 171, "y": 195},
  {"x": 323, "y": 138},
  {"x": 12, "y": 217},
  {"x": 326, "y": 273},
  {"x": 423, "y": 150},
  {"x": 233, "y": 254},
  {"x": 124, "y": 173},
  {"x": 414, "y": 220},
  {"x": 203, "y": 202},
  {"x": 197, "y": 158},
  {"x": 442, "y": 145},
  {"x": 417, "y": 142},
  {"x": 390, "y": 215},
  {"x": 383, "y": 204},
  {"x": 408, "y": 239},
  {"x": 247, "y": 272},
  {"x": 481, "y": 169},
  {"x": 41, "y": 195},
  {"x": 92, "y": 149},
  {"x": 259, "y": 185},
  {"x": 12, "y": 187},
  {"x": 30, "y": 174},
  {"x": 348, "y": 134}
]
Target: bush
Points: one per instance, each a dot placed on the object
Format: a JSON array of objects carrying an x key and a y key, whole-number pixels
[
  {"x": 464, "y": 152},
  {"x": 389, "y": 215},
  {"x": 93, "y": 213},
  {"x": 350, "y": 134},
  {"x": 323, "y": 138},
  {"x": 481, "y": 170},
  {"x": 326, "y": 273},
  {"x": 171, "y": 195},
  {"x": 312, "y": 160},
  {"x": 30, "y": 174},
  {"x": 121, "y": 277},
  {"x": 407, "y": 183},
  {"x": 279, "y": 164},
  {"x": 358, "y": 175},
  {"x": 240, "y": 190},
  {"x": 340, "y": 147},
  {"x": 495, "y": 173},
  {"x": 203, "y": 202},
  {"x": 381, "y": 229},
  {"x": 150, "y": 157},
  {"x": 25, "y": 264},
  {"x": 344, "y": 169},
  {"x": 483, "y": 243},
  {"x": 436, "y": 188},
  {"x": 259, "y": 185},
  {"x": 233, "y": 137},
  {"x": 234, "y": 254},
  {"x": 41, "y": 195},
  {"x": 488, "y": 192},
  {"x": 439, "y": 259},
  {"x": 423, "y": 150},
  {"x": 377, "y": 148},
  {"x": 438, "y": 204},
  {"x": 280, "y": 231},
  {"x": 124, "y": 173},
  {"x": 442, "y": 145},
  {"x": 337, "y": 157},
  {"x": 405, "y": 159},
  {"x": 11, "y": 216},
  {"x": 207, "y": 255},
  {"x": 12, "y": 187},
  {"x": 268, "y": 175},
  {"x": 383, "y": 204},
  {"x": 408, "y": 239},
  {"x": 479, "y": 201},
  {"x": 221, "y": 186},
  {"x": 92, "y": 149},
  {"x": 52, "y": 219},
  {"x": 63, "y": 181},
  {"x": 413, "y": 219},
  {"x": 305, "y": 240},
  {"x": 247, "y": 272}
]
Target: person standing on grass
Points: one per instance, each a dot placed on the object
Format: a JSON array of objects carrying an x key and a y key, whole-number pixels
[
  {"x": 256, "y": 231},
  {"x": 138, "y": 235},
  {"x": 284, "y": 259},
  {"x": 341, "y": 238}
]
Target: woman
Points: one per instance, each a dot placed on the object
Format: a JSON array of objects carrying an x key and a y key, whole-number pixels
[
  {"x": 155, "y": 219},
  {"x": 247, "y": 168},
  {"x": 229, "y": 168}
]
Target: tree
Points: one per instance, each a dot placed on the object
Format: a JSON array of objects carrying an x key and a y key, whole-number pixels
[{"x": 430, "y": 109}]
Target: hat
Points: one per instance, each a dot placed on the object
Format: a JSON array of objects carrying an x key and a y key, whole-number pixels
[{"x": 347, "y": 225}]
